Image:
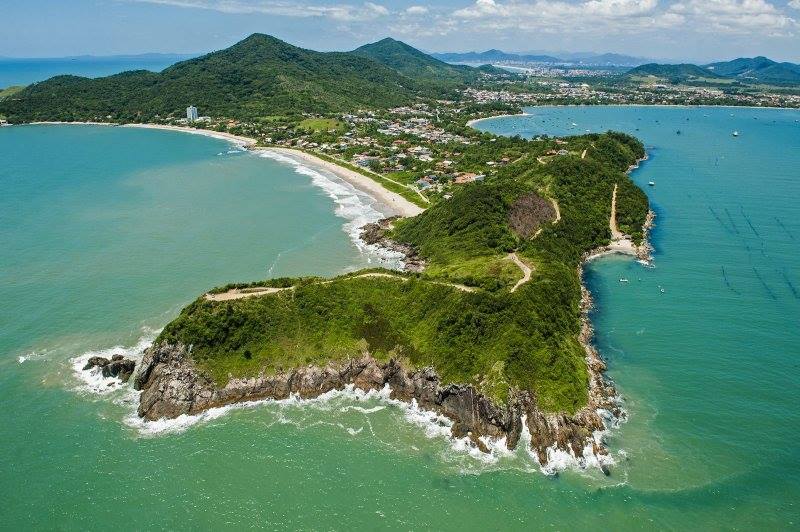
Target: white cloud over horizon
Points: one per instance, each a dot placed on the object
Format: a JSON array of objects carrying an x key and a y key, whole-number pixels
[{"x": 660, "y": 29}]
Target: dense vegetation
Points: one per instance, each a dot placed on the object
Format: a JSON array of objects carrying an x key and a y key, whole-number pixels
[
  {"x": 492, "y": 337},
  {"x": 258, "y": 77},
  {"x": 415, "y": 64}
]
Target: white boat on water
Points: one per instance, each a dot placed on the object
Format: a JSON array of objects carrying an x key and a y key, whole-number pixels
[
  {"x": 652, "y": 183},
  {"x": 735, "y": 133},
  {"x": 623, "y": 280}
]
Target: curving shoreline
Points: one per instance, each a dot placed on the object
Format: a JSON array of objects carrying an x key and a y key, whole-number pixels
[
  {"x": 171, "y": 386},
  {"x": 394, "y": 203}
]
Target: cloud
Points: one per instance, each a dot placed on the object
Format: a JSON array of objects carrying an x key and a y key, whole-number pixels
[
  {"x": 737, "y": 16},
  {"x": 587, "y": 16},
  {"x": 339, "y": 12},
  {"x": 421, "y": 10},
  {"x": 602, "y": 17},
  {"x": 795, "y": 4},
  {"x": 558, "y": 9}
]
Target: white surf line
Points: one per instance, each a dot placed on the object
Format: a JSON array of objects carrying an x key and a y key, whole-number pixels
[{"x": 526, "y": 271}]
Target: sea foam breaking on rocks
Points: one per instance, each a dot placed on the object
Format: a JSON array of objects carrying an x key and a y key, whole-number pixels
[{"x": 173, "y": 389}]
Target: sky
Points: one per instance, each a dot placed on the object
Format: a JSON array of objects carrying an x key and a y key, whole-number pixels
[{"x": 675, "y": 30}]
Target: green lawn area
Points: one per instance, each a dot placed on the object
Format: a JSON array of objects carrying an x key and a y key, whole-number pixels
[{"x": 322, "y": 124}]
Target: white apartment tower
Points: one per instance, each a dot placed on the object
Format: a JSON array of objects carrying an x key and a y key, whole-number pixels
[{"x": 191, "y": 113}]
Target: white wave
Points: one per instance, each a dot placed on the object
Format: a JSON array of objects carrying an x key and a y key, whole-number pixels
[
  {"x": 33, "y": 355},
  {"x": 355, "y": 206},
  {"x": 92, "y": 381},
  {"x": 433, "y": 425},
  {"x": 362, "y": 409}
]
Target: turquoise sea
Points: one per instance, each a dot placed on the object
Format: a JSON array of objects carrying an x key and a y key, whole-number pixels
[
  {"x": 15, "y": 71},
  {"x": 106, "y": 232}
]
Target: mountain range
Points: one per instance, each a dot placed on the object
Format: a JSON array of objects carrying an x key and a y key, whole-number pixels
[
  {"x": 257, "y": 77},
  {"x": 747, "y": 70}
]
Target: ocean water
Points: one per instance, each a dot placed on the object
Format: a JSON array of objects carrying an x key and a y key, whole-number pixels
[
  {"x": 27, "y": 71},
  {"x": 106, "y": 232}
]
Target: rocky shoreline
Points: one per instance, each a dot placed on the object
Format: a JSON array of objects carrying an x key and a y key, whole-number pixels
[
  {"x": 172, "y": 386},
  {"x": 374, "y": 234}
]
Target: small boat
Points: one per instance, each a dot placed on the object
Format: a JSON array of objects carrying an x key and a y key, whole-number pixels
[
  {"x": 662, "y": 290},
  {"x": 735, "y": 133},
  {"x": 623, "y": 280},
  {"x": 652, "y": 183},
  {"x": 678, "y": 132}
]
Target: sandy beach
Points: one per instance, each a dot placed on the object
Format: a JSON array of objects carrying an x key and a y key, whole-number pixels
[
  {"x": 474, "y": 121},
  {"x": 393, "y": 201}
]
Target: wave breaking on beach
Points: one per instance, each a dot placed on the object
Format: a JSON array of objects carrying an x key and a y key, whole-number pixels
[{"x": 356, "y": 207}]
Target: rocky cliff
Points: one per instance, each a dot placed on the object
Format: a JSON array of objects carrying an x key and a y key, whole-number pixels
[{"x": 171, "y": 385}]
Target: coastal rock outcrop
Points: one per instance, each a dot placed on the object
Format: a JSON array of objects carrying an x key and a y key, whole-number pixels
[
  {"x": 172, "y": 385},
  {"x": 376, "y": 234},
  {"x": 118, "y": 366}
]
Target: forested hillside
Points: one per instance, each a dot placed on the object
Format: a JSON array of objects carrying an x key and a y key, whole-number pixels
[{"x": 258, "y": 77}]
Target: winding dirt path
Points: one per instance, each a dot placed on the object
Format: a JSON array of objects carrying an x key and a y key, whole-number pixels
[
  {"x": 558, "y": 211},
  {"x": 526, "y": 271},
  {"x": 243, "y": 293}
]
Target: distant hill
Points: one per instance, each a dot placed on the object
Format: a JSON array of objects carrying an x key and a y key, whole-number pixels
[
  {"x": 413, "y": 63},
  {"x": 259, "y": 76},
  {"x": 681, "y": 72},
  {"x": 759, "y": 69},
  {"x": 748, "y": 70}
]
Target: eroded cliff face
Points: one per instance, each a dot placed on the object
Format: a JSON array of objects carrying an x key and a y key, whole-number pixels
[{"x": 171, "y": 385}]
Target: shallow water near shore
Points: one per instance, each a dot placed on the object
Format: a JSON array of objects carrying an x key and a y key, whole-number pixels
[{"x": 107, "y": 232}]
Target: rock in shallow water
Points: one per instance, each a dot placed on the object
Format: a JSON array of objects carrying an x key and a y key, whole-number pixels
[
  {"x": 95, "y": 362},
  {"x": 118, "y": 366}
]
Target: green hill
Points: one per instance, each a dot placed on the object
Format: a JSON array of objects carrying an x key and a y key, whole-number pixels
[
  {"x": 747, "y": 70},
  {"x": 258, "y": 76},
  {"x": 415, "y": 64},
  {"x": 740, "y": 66},
  {"x": 681, "y": 72},
  {"x": 758, "y": 69}
]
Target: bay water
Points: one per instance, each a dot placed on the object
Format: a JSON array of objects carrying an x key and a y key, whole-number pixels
[
  {"x": 105, "y": 233},
  {"x": 20, "y": 71}
]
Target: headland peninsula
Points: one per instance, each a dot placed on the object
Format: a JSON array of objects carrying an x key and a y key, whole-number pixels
[{"x": 487, "y": 322}]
